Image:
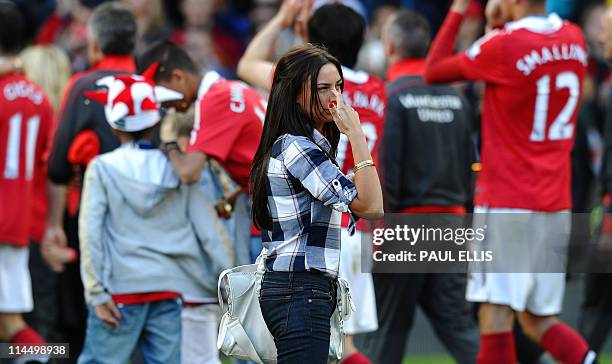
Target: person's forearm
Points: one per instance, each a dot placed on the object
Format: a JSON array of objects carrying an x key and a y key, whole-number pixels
[
  {"x": 261, "y": 46},
  {"x": 185, "y": 167},
  {"x": 369, "y": 191},
  {"x": 57, "y": 204},
  {"x": 257, "y": 55}
]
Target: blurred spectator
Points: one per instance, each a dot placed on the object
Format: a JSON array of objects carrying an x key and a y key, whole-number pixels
[
  {"x": 262, "y": 12},
  {"x": 198, "y": 13},
  {"x": 228, "y": 29},
  {"x": 591, "y": 23},
  {"x": 67, "y": 28},
  {"x": 201, "y": 48},
  {"x": 372, "y": 55},
  {"x": 81, "y": 134},
  {"x": 48, "y": 67},
  {"x": 150, "y": 21}
]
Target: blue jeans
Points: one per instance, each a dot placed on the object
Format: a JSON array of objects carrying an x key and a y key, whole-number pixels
[
  {"x": 255, "y": 248},
  {"x": 154, "y": 327},
  {"x": 297, "y": 308}
]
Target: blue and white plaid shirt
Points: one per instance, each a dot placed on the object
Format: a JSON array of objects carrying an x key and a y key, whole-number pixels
[{"x": 307, "y": 195}]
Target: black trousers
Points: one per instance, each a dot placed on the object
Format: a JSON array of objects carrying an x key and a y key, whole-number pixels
[
  {"x": 596, "y": 313},
  {"x": 440, "y": 296}
]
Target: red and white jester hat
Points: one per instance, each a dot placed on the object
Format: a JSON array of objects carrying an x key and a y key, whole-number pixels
[{"x": 131, "y": 102}]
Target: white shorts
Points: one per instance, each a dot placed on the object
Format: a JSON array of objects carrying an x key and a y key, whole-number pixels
[
  {"x": 200, "y": 327},
  {"x": 538, "y": 293},
  {"x": 15, "y": 281},
  {"x": 364, "y": 319}
]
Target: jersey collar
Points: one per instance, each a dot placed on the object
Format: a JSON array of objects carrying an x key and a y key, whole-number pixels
[
  {"x": 209, "y": 79},
  {"x": 406, "y": 67},
  {"x": 354, "y": 76},
  {"x": 116, "y": 63},
  {"x": 537, "y": 24}
]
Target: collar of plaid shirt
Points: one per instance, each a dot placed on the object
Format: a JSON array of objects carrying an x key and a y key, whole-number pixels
[{"x": 321, "y": 141}]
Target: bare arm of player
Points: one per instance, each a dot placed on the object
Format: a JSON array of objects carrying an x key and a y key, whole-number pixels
[
  {"x": 255, "y": 66},
  {"x": 442, "y": 65},
  {"x": 187, "y": 166},
  {"x": 369, "y": 201},
  {"x": 55, "y": 237}
]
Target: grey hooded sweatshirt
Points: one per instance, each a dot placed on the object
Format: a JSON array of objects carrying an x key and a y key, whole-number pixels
[{"x": 141, "y": 230}]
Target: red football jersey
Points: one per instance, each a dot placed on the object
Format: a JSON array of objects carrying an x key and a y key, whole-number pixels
[
  {"x": 25, "y": 125},
  {"x": 366, "y": 94},
  {"x": 533, "y": 69},
  {"x": 228, "y": 123}
]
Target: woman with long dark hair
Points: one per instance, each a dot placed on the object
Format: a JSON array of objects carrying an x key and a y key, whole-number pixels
[{"x": 299, "y": 195}]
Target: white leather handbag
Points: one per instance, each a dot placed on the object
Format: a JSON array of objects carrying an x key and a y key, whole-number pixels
[{"x": 243, "y": 333}]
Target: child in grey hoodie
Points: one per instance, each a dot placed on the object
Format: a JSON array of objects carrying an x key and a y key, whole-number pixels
[{"x": 140, "y": 248}]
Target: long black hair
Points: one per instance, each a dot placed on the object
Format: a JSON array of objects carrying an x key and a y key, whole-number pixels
[{"x": 285, "y": 116}]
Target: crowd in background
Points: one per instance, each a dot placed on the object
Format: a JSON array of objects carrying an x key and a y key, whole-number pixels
[{"x": 215, "y": 33}]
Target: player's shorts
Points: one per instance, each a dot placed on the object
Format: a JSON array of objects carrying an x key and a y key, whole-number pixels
[
  {"x": 200, "y": 328},
  {"x": 540, "y": 234},
  {"x": 15, "y": 281},
  {"x": 364, "y": 319}
]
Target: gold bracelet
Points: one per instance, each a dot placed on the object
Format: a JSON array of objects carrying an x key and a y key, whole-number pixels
[{"x": 363, "y": 164}]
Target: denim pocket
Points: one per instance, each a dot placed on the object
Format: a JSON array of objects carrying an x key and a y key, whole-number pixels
[
  {"x": 319, "y": 295},
  {"x": 274, "y": 294}
]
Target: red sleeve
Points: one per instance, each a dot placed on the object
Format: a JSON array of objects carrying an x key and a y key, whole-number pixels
[
  {"x": 482, "y": 61},
  {"x": 217, "y": 127},
  {"x": 441, "y": 65}
]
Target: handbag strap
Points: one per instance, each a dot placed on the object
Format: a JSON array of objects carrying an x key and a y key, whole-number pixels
[
  {"x": 222, "y": 276},
  {"x": 261, "y": 268},
  {"x": 243, "y": 341}
]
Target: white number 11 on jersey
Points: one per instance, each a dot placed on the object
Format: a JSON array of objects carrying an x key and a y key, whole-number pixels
[{"x": 11, "y": 169}]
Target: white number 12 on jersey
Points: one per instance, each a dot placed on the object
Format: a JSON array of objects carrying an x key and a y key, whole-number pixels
[
  {"x": 560, "y": 128},
  {"x": 11, "y": 169}
]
